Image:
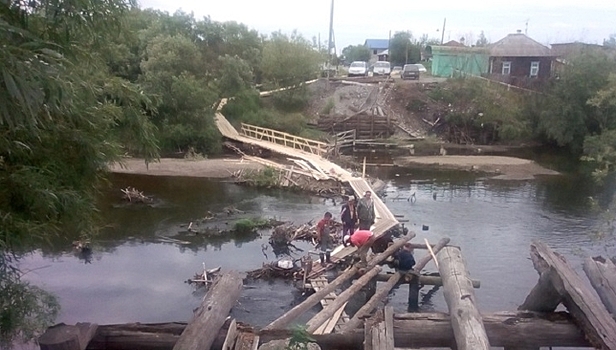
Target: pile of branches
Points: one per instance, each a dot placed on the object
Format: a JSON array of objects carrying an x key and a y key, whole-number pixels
[
  {"x": 272, "y": 270},
  {"x": 133, "y": 195},
  {"x": 287, "y": 233}
]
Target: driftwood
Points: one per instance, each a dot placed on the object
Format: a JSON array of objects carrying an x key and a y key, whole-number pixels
[
  {"x": 466, "y": 321},
  {"x": 585, "y": 307},
  {"x": 211, "y": 314},
  {"x": 133, "y": 195},
  {"x": 602, "y": 275},
  {"x": 410, "y": 330}
]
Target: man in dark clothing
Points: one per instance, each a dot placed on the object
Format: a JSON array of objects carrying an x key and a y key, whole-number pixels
[
  {"x": 323, "y": 231},
  {"x": 404, "y": 259},
  {"x": 365, "y": 211},
  {"x": 348, "y": 215}
]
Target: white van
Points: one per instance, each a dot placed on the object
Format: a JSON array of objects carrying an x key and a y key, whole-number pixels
[
  {"x": 381, "y": 68},
  {"x": 358, "y": 68}
]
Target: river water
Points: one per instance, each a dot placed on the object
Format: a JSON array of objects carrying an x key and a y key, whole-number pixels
[{"x": 136, "y": 274}]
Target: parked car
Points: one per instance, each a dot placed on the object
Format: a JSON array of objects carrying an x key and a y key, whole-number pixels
[
  {"x": 396, "y": 70},
  {"x": 381, "y": 68},
  {"x": 421, "y": 67},
  {"x": 358, "y": 68},
  {"x": 410, "y": 71}
]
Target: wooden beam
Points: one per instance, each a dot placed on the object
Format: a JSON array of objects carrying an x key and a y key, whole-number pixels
[
  {"x": 592, "y": 317},
  {"x": 424, "y": 280},
  {"x": 341, "y": 299},
  {"x": 288, "y": 317},
  {"x": 468, "y": 328},
  {"x": 66, "y": 337},
  {"x": 211, "y": 314},
  {"x": 602, "y": 275},
  {"x": 410, "y": 330}
]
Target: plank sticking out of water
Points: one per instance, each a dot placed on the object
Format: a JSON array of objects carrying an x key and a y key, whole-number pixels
[{"x": 602, "y": 275}]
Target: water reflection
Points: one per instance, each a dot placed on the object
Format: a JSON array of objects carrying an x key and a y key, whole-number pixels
[{"x": 134, "y": 274}]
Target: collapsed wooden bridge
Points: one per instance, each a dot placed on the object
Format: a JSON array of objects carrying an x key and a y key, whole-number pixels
[{"x": 588, "y": 322}]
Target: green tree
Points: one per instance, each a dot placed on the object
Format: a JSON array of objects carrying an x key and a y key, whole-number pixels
[
  {"x": 353, "y": 53},
  {"x": 402, "y": 50},
  {"x": 610, "y": 42},
  {"x": 62, "y": 120},
  {"x": 482, "y": 41},
  {"x": 289, "y": 60}
]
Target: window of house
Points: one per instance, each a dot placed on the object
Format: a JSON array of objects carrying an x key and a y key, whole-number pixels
[
  {"x": 534, "y": 68},
  {"x": 374, "y": 51},
  {"x": 507, "y": 68}
]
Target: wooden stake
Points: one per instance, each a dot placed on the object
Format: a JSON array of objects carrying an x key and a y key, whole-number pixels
[{"x": 431, "y": 252}]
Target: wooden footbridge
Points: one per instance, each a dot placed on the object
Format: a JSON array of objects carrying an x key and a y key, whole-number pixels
[{"x": 588, "y": 321}]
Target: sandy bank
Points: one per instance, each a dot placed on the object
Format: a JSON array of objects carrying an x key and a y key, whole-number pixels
[
  {"x": 504, "y": 168},
  {"x": 213, "y": 168}
]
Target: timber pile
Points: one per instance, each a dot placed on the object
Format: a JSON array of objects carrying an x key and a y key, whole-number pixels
[{"x": 288, "y": 178}]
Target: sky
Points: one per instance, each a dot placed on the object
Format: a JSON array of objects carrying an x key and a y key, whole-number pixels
[{"x": 546, "y": 21}]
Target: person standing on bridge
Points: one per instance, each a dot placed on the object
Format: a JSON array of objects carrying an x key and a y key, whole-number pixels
[
  {"x": 348, "y": 215},
  {"x": 323, "y": 236},
  {"x": 365, "y": 211}
]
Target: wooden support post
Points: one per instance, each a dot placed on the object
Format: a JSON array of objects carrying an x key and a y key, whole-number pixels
[
  {"x": 363, "y": 171},
  {"x": 342, "y": 298},
  {"x": 602, "y": 275},
  {"x": 413, "y": 300},
  {"x": 389, "y": 327},
  {"x": 592, "y": 317},
  {"x": 212, "y": 313},
  {"x": 286, "y": 319},
  {"x": 468, "y": 328}
]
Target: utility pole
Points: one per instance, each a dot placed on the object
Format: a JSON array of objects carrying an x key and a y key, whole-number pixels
[
  {"x": 443, "y": 34},
  {"x": 330, "y": 43}
]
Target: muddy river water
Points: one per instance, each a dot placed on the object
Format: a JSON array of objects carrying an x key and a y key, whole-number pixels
[{"x": 135, "y": 274}]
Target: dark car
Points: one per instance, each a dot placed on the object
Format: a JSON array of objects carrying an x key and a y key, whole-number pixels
[{"x": 410, "y": 71}]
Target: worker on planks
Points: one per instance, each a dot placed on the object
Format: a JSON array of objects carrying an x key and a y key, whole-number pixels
[
  {"x": 365, "y": 211},
  {"x": 324, "y": 238},
  {"x": 348, "y": 216},
  {"x": 359, "y": 239}
]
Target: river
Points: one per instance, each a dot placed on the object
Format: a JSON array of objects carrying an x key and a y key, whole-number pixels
[{"x": 136, "y": 275}]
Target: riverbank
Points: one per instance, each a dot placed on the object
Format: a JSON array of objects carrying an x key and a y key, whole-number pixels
[
  {"x": 503, "y": 168},
  {"x": 211, "y": 168}
]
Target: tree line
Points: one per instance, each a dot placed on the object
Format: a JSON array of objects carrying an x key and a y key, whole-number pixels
[{"x": 84, "y": 82}]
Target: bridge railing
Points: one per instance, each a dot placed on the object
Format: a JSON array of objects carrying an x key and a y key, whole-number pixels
[{"x": 283, "y": 138}]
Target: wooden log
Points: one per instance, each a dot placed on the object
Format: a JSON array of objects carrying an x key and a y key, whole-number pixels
[
  {"x": 410, "y": 330},
  {"x": 341, "y": 299},
  {"x": 229, "y": 343},
  {"x": 591, "y": 316},
  {"x": 66, "y": 337},
  {"x": 384, "y": 290},
  {"x": 543, "y": 297},
  {"x": 210, "y": 316},
  {"x": 602, "y": 275},
  {"x": 288, "y": 317},
  {"x": 423, "y": 280},
  {"x": 389, "y": 327},
  {"x": 467, "y": 324}
]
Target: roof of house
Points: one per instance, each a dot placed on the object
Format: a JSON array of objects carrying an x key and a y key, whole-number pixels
[
  {"x": 519, "y": 45},
  {"x": 377, "y": 43},
  {"x": 453, "y": 43}
]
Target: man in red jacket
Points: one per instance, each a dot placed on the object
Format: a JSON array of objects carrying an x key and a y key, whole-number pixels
[{"x": 359, "y": 239}]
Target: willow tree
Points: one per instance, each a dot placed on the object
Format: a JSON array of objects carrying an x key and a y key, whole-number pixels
[{"x": 63, "y": 119}]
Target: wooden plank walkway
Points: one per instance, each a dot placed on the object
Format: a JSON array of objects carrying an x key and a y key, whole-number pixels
[
  {"x": 339, "y": 318},
  {"x": 323, "y": 169}
]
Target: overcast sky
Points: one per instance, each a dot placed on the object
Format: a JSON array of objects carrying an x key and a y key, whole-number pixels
[{"x": 546, "y": 21}]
